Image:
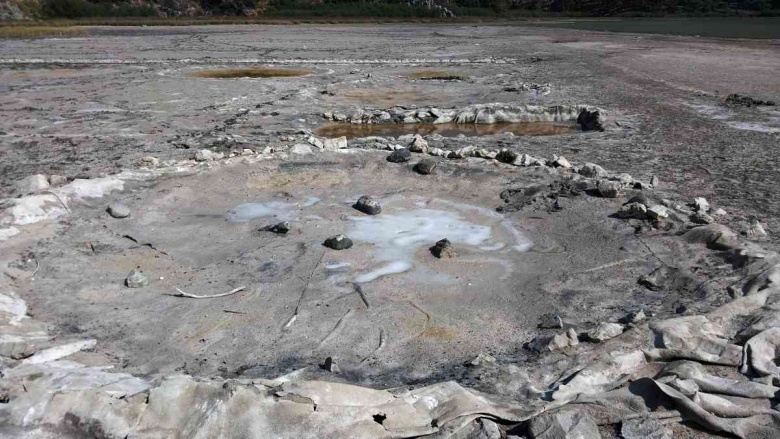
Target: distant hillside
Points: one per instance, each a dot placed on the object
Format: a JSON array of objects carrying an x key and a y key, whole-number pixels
[{"x": 42, "y": 9}]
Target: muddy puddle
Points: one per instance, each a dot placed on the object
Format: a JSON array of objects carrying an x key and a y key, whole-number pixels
[
  {"x": 352, "y": 131},
  {"x": 254, "y": 72}
]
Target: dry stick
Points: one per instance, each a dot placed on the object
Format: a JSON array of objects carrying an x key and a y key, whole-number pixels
[
  {"x": 193, "y": 296},
  {"x": 58, "y": 199},
  {"x": 340, "y": 324},
  {"x": 303, "y": 292},
  {"x": 378, "y": 348}
]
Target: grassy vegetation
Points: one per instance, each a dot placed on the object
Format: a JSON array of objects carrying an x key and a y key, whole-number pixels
[
  {"x": 252, "y": 72},
  {"x": 40, "y": 31},
  {"x": 428, "y": 75}
]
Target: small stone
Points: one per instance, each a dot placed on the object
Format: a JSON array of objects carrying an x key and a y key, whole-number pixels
[
  {"x": 632, "y": 210},
  {"x": 335, "y": 144},
  {"x": 418, "y": 144},
  {"x": 641, "y": 199},
  {"x": 368, "y": 205},
  {"x": 756, "y": 231},
  {"x": 118, "y": 210},
  {"x": 444, "y": 250},
  {"x": 149, "y": 161},
  {"x": 205, "y": 155},
  {"x": 247, "y": 151},
  {"x": 625, "y": 179},
  {"x": 32, "y": 184},
  {"x": 718, "y": 212},
  {"x": 281, "y": 228},
  {"x": 330, "y": 365},
  {"x": 609, "y": 189},
  {"x": 339, "y": 117},
  {"x": 560, "y": 162},
  {"x": 136, "y": 279},
  {"x": 338, "y": 242},
  {"x": 701, "y": 204},
  {"x": 658, "y": 212},
  {"x": 605, "y": 331},
  {"x": 399, "y": 156},
  {"x": 438, "y": 152},
  {"x": 425, "y": 166},
  {"x": 550, "y": 321},
  {"x": 480, "y": 360},
  {"x": 635, "y": 317},
  {"x": 655, "y": 181},
  {"x": 313, "y": 141},
  {"x": 507, "y": 156},
  {"x": 702, "y": 218},
  {"x": 592, "y": 170},
  {"x": 57, "y": 180},
  {"x": 328, "y": 115},
  {"x": 301, "y": 149}
]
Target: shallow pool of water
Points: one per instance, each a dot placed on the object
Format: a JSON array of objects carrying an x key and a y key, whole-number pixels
[{"x": 353, "y": 131}]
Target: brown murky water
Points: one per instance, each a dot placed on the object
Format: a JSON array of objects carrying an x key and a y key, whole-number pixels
[
  {"x": 252, "y": 72},
  {"x": 352, "y": 131}
]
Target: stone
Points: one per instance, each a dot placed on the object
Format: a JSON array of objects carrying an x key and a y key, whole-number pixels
[
  {"x": 339, "y": 117},
  {"x": 330, "y": 365},
  {"x": 560, "y": 162},
  {"x": 57, "y": 180},
  {"x": 635, "y": 317},
  {"x": 507, "y": 156},
  {"x": 487, "y": 429},
  {"x": 438, "y": 152},
  {"x": 384, "y": 116},
  {"x": 480, "y": 360},
  {"x": 720, "y": 212},
  {"x": 443, "y": 249},
  {"x": 527, "y": 160},
  {"x": 625, "y": 179},
  {"x": 755, "y": 231},
  {"x": 32, "y": 184},
  {"x": 632, "y": 210},
  {"x": 338, "y": 242},
  {"x": 418, "y": 144},
  {"x": 205, "y": 155},
  {"x": 136, "y": 279},
  {"x": 700, "y": 204},
  {"x": 592, "y": 170},
  {"x": 425, "y": 166},
  {"x": 118, "y": 210},
  {"x": 701, "y": 218},
  {"x": 550, "y": 321},
  {"x": 399, "y": 156},
  {"x": 590, "y": 120},
  {"x": 335, "y": 144},
  {"x": 149, "y": 161},
  {"x": 281, "y": 228},
  {"x": 605, "y": 331},
  {"x": 368, "y": 205},
  {"x": 655, "y": 181},
  {"x": 313, "y": 141},
  {"x": 657, "y": 212},
  {"x": 609, "y": 189},
  {"x": 301, "y": 149}
]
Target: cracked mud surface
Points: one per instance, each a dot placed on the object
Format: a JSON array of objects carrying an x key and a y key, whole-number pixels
[{"x": 90, "y": 117}]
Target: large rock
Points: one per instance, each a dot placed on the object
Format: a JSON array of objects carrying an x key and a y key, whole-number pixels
[
  {"x": 714, "y": 236},
  {"x": 593, "y": 170},
  {"x": 368, "y": 205},
  {"x": 335, "y": 144},
  {"x": 118, "y": 210},
  {"x": 609, "y": 189},
  {"x": 605, "y": 331},
  {"x": 590, "y": 120},
  {"x": 399, "y": 156},
  {"x": 338, "y": 242},
  {"x": 418, "y": 144},
  {"x": 632, "y": 210},
  {"x": 301, "y": 149},
  {"x": 507, "y": 156},
  {"x": 425, "y": 166},
  {"x": 32, "y": 184},
  {"x": 205, "y": 155}
]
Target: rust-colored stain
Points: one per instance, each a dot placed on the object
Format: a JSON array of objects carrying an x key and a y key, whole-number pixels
[
  {"x": 252, "y": 72},
  {"x": 439, "y": 333},
  {"x": 431, "y": 75}
]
